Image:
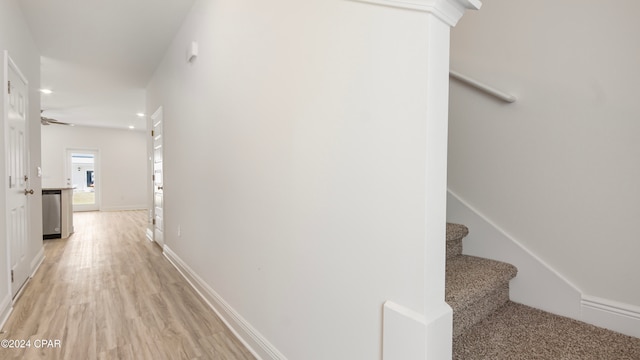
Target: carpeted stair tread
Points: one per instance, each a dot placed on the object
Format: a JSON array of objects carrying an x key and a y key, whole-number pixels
[
  {"x": 455, "y": 234},
  {"x": 470, "y": 278},
  {"x": 519, "y": 332}
]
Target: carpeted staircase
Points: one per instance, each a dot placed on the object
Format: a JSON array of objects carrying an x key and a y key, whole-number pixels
[
  {"x": 475, "y": 287},
  {"x": 478, "y": 291}
]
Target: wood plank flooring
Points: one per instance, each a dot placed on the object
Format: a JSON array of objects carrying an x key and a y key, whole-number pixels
[{"x": 108, "y": 293}]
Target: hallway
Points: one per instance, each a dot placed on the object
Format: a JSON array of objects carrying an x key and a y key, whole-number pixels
[{"x": 108, "y": 293}]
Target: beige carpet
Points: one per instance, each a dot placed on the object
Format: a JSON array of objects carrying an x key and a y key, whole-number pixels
[{"x": 519, "y": 332}]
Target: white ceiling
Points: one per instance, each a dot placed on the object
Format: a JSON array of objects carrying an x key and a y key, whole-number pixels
[{"x": 98, "y": 55}]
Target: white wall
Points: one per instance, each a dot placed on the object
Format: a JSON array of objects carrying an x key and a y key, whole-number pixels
[
  {"x": 16, "y": 38},
  {"x": 122, "y": 159},
  {"x": 557, "y": 170},
  {"x": 295, "y": 167}
]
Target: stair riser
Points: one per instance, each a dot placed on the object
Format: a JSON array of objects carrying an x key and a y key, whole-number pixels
[
  {"x": 480, "y": 309},
  {"x": 454, "y": 248}
]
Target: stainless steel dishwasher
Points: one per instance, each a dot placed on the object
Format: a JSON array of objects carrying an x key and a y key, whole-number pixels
[{"x": 51, "y": 212}]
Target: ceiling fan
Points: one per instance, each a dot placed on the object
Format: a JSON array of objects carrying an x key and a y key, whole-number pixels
[{"x": 48, "y": 121}]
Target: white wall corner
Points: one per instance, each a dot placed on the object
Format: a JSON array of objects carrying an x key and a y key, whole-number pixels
[
  {"x": 408, "y": 335},
  {"x": 449, "y": 11},
  {"x": 244, "y": 331},
  {"x": 612, "y": 315}
]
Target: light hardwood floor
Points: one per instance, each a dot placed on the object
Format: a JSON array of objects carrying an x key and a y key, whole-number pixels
[{"x": 108, "y": 293}]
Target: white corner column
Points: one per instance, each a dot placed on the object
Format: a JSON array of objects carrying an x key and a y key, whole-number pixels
[
  {"x": 408, "y": 335},
  {"x": 438, "y": 314}
]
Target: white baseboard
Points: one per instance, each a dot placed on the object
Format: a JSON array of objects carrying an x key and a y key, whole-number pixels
[
  {"x": 247, "y": 334},
  {"x": 124, "y": 208},
  {"x": 6, "y": 307},
  {"x": 37, "y": 261},
  {"x": 439, "y": 321},
  {"x": 149, "y": 233},
  {"x": 408, "y": 335},
  {"x": 403, "y": 333},
  {"x": 623, "y": 318}
]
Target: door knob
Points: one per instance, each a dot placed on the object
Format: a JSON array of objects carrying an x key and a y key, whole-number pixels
[{"x": 28, "y": 192}]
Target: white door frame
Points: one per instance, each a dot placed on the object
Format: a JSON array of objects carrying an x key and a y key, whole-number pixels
[
  {"x": 97, "y": 172},
  {"x": 157, "y": 224}
]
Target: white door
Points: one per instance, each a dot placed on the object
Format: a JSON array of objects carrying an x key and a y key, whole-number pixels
[
  {"x": 158, "y": 184},
  {"x": 18, "y": 181},
  {"x": 82, "y": 176}
]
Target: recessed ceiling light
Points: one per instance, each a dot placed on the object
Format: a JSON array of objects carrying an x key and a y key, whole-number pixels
[
  {"x": 140, "y": 114},
  {"x": 46, "y": 91},
  {"x": 131, "y": 127}
]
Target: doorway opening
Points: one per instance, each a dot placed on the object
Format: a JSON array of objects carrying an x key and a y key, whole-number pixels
[
  {"x": 158, "y": 182},
  {"x": 82, "y": 177}
]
